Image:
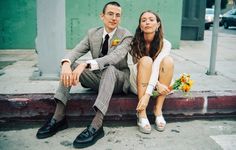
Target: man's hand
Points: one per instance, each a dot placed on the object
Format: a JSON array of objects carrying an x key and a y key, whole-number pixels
[
  {"x": 77, "y": 72},
  {"x": 143, "y": 102},
  {"x": 66, "y": 74},
  {"x": 162, "y": 89}
]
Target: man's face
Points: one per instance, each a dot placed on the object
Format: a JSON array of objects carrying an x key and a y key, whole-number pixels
[{"x": 111, "y": 17}]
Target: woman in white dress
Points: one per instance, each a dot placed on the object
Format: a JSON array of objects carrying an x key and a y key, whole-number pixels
[{"x": 152, "y": 70}]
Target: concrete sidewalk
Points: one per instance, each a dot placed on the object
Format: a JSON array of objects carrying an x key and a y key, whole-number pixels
[
  {"x": 190, "y": 135},
  {"x": 22, "y": 97}
]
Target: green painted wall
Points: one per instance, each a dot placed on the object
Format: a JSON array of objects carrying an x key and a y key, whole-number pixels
[
  {"x": 18, "y": 19},
  {"x": 84, "y": 14},
  {"x": 17, "y": 24}
]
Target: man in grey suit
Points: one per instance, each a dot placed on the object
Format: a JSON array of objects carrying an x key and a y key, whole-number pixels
[{"x": 106, "y": 73}]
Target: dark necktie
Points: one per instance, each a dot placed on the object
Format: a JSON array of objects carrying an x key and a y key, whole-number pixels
[{"x": 105, "y": 45}]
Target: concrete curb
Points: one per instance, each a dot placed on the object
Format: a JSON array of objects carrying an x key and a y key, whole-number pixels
[{"x": 38, "y": 106}]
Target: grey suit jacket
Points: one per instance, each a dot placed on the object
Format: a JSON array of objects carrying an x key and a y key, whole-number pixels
[{"x": 117, "y": 55}]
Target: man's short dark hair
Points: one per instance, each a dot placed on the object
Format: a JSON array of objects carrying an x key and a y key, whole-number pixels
[{"x": 110, "y": 3}]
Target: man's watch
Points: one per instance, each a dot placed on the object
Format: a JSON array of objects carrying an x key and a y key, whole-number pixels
[{"x": 88, "y": 66}]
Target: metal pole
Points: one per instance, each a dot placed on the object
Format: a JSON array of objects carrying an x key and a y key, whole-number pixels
[{"x": 211, "y": 70}]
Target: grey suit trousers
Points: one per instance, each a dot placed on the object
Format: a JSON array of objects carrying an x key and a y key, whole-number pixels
[{"x": 106, "y": 82}]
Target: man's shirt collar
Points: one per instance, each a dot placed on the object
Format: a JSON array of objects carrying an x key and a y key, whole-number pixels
[{"x": 110, "y": 34}]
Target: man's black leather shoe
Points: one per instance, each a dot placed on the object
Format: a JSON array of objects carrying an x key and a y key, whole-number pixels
[
  {"x": 51, "y": 127},
  {"x": 88, "y": 137}
]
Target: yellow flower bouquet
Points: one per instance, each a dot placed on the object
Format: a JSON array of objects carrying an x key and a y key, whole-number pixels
[{"x": 184, "y": 84}]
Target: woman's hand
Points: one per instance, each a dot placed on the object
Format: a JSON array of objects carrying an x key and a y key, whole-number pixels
[
  {"x": 162, "y": 89},
  {"x": 66, "y": 74},
  {"x": 77, "y": 72},
  {"x": 143, "y": 102}
]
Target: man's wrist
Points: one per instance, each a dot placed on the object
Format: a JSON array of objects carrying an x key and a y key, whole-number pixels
[
  {"x": 65, "y": 63},
  {"x": 93, "y": 64},
  {"x": 88, "y": 66},
  {"x": 65, "y": 60}
]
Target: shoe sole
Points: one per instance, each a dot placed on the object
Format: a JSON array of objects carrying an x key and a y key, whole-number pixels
[
  {"x": 144, "y": 130},
  {"x": 159, "y": 129},
  {"x": 89, "y": 144},
  {"x": 43, "y": 136}
]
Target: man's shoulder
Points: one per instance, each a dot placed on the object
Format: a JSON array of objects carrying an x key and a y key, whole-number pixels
[
  {"x": 120, "y": 30},
  {"x": 95, "y": 29},
  {"x": 123, "y": 31}
]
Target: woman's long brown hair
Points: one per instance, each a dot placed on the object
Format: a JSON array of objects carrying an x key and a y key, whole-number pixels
[{"x": 138, "y": 48}]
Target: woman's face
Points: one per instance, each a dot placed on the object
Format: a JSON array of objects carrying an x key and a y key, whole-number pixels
[
  {"x": 148, "y": 23},
  {"x": 111, "y": 17}
]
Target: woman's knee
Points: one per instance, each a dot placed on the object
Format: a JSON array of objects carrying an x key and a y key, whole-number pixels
[
  {"x": 168, "y": 62},
  {"x": 145, "y": 61}
]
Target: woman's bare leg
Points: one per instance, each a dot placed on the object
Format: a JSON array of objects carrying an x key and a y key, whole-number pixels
[
  {"x": 144, "y": 73},
  {"x": 165, "y": 77}
]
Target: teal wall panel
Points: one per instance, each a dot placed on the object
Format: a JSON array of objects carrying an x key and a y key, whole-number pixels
[
  {"x": 17, "y": 24},
  {"x": 18, "y": 19},
  {"x": 84, "y": 14},
  {"x": 81, "y": 16},
  {"x": 171, "y": 12}
]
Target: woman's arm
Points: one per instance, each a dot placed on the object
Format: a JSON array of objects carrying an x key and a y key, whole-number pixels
[{"x": 156, "y": 66}]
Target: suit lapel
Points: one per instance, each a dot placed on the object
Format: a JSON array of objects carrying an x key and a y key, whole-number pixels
[
  {"x": 117, "y": 35},
  {"x": 97, "y": 43}
]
